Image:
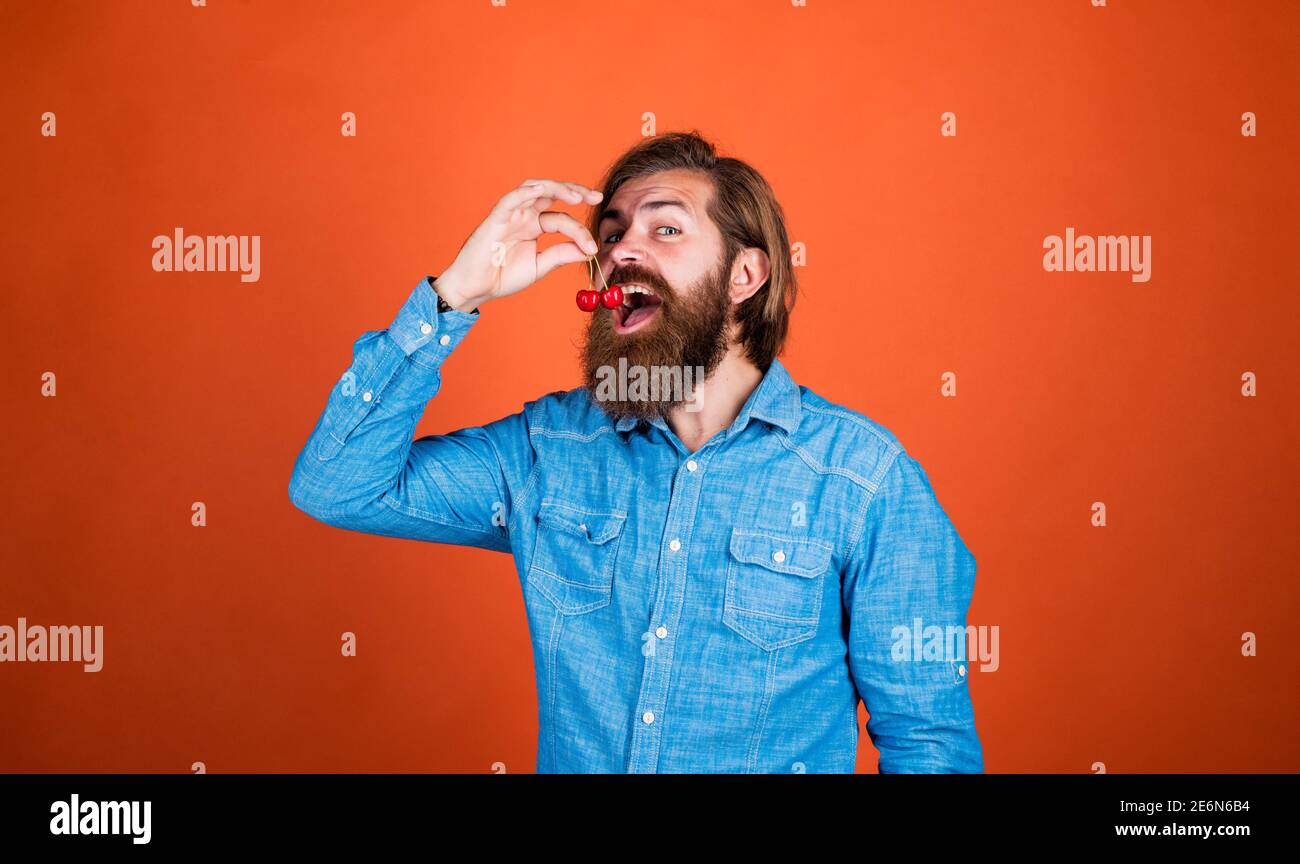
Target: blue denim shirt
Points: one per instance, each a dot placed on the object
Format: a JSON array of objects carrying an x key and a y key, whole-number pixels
[{"x": 715, "y": 611}]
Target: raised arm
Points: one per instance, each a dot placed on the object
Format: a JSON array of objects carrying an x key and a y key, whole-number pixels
[{"x": 360, "y": 468}]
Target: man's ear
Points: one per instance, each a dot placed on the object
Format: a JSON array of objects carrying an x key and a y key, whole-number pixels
[{"x": 748, "y": 273}]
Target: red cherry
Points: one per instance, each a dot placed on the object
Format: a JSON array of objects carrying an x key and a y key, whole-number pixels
[
  {"x": 612, "y": 297},
  {"x": 588, "y": 300}
]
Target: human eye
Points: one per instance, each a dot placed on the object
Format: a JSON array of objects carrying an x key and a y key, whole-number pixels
[{"x": 613, "y": 238}]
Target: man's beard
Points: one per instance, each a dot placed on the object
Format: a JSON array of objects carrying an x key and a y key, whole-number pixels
[{"x": 690, "y": 338}]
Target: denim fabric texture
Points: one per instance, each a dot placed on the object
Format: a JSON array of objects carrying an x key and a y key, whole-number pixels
[{"x": 715, "y": 611}]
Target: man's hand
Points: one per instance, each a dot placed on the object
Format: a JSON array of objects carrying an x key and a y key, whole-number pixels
[{"x": 501, "y": 256}]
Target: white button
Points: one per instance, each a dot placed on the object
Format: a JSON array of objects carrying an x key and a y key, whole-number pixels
[
  {"x": 426, "y": 328},
  {"x": 583, "y": 526},
  {"x": 661, "y": 632},
  {"x": 366, "y": 396},
  {"x": 778, "y": 556},
  {"x": 444, "y": 339},
  {"x": 691, "y": 466},
  {"x": 648, "y": 716},
  {"x": 675, "y": 545},
  {"x": 961, "y": 670}
]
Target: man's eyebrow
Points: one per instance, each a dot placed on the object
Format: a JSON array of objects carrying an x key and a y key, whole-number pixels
[{"x": 648, "y": 205}]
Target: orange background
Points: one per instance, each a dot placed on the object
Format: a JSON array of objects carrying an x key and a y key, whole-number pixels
[{"x": 1118, "y": 644}]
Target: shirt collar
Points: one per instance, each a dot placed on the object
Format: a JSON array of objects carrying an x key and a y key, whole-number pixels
[{"x": 776, "y": 400}]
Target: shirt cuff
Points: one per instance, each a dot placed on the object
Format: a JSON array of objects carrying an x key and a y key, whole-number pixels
[{"x": 423, "y": 333}]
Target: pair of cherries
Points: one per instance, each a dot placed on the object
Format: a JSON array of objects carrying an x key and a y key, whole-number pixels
[{"x": 610, "y": 298}]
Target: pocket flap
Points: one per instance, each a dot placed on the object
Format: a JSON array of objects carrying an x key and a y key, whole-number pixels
[
  {"x": 592, "y": 526},
  {"x": 799, "y": 556}
]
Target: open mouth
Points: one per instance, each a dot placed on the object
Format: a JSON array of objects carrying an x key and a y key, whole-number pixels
[{"x": 640, "y": 306}]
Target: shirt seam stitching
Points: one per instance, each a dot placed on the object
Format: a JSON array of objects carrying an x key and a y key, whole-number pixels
[
  {"x": 860, "y": 521},
  {"x": 857, "y": 421}
]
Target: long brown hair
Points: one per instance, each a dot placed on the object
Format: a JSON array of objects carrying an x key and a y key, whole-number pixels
[{"x": 746, "y": 212}]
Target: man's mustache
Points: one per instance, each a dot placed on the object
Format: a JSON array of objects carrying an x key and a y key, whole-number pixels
[{"x": 622, "y": 276}]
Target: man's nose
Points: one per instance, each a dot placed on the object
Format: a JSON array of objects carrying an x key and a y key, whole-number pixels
[
  {"x": 617, "y": 258},
  {"x": 628, "y": 250},
  {"x": 625, "y": 259}
]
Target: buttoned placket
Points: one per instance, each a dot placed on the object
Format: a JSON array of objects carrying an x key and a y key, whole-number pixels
[{"x": 647, "y": 734}]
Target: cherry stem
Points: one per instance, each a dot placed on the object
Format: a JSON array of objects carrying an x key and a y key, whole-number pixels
[{"x": 591, "y": 280}]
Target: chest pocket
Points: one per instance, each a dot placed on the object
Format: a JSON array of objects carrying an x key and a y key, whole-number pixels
[
  {"x": 774, "y": 587},
  {"x": 573, "y": 561}
]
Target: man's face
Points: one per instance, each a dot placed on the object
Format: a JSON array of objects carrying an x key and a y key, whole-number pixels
[{"x": 676, "y": 312}]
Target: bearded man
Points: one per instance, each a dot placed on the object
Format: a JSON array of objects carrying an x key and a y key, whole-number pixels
[{"x": 715, "y": 574}]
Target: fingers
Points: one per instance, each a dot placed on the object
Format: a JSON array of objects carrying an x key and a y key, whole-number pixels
[
  {"x": 530, "y": 190},
  {"x": 557, "y": 256},
  {"x": 562, "y": 223},
  {"x": 585, "y": 193}
]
